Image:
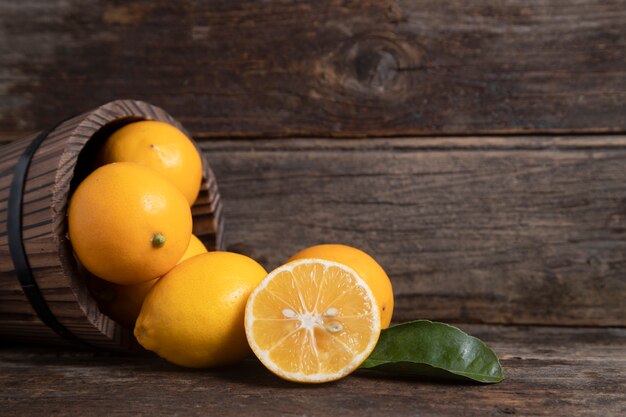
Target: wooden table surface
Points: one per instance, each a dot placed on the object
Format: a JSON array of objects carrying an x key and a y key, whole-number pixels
[
  {"x": 477, "y": 149},
  {"x": 549, "y": 371}
]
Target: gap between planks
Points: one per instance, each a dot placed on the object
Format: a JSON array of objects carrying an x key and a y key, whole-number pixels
[{"x": 421, "y": 144}]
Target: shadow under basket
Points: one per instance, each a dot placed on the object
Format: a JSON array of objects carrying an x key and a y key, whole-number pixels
[{"x": 43, "y": 297}]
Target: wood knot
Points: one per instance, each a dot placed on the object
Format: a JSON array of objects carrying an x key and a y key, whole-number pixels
[
  {"x": 374, "y": 65},
  {"x": 130, "y": 14}
]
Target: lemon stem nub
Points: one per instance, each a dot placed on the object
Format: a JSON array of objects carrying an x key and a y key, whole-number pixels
[{"x": 158, "y": 240}]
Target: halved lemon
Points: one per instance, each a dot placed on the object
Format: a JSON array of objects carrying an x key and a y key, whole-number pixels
[{"x": 312, "y": 320}]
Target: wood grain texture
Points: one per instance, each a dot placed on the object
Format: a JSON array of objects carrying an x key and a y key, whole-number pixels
[
  {"x": 63, "y": 159},
  {"x": 326, "y": 68},
  {"x": 527, "y": 230},
  {"x": 549, "y": 372}
]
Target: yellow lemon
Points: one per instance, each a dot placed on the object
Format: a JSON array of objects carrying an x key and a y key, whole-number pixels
[
  {"x": 312, "y": 320},
  {"x": 367, "y": 268},
  {"x": 196, "y": 247},
  {"x": 194, "y": 315},
  {"x": 128, "y": 224},
  {"x": 159, "y": 146},
  {"x": 123, "y": 302}
]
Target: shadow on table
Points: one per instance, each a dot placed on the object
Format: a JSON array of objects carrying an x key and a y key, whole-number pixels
[
  {"x": 249, "y": 372},
  {"x": 385, "y": 376}
]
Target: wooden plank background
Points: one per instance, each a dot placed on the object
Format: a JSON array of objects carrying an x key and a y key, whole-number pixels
[
  {"x": 521, "y": 230},
  {"x": 492, "y": 184},
  {"x": 496, "y": 230},
  {"x": 321, "y": 68}
]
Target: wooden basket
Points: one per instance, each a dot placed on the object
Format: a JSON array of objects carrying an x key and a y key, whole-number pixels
[{"x": 43, "y": 297}]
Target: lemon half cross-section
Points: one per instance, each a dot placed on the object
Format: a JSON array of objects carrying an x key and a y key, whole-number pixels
[{"x": 312, "y": 320}]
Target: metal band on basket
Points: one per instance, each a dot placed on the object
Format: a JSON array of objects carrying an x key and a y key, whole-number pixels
[{"x": 16, "y": 246}]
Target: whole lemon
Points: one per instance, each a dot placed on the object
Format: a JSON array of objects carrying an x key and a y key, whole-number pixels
[
  {"x": 196, "y": 247},
  {"x": 128, "y": 224},
  {"x": 123, "y": 302},
  {"x": 160, "y": 146},
  {"x": 194, "y": 315},
  {"x": 368, "y": 269}
]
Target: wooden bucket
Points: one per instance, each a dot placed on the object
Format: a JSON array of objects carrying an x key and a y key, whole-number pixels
[{"x": 43, "y": 297}]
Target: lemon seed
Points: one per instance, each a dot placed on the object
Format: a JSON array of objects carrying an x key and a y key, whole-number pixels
[{"x": 333, "y": 327}]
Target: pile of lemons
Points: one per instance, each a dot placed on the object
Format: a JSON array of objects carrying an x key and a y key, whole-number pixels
[{"x": 314, "y": 319}]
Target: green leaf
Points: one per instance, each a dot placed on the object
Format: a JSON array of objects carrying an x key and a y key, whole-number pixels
[{"x": 434, "y": 350}]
